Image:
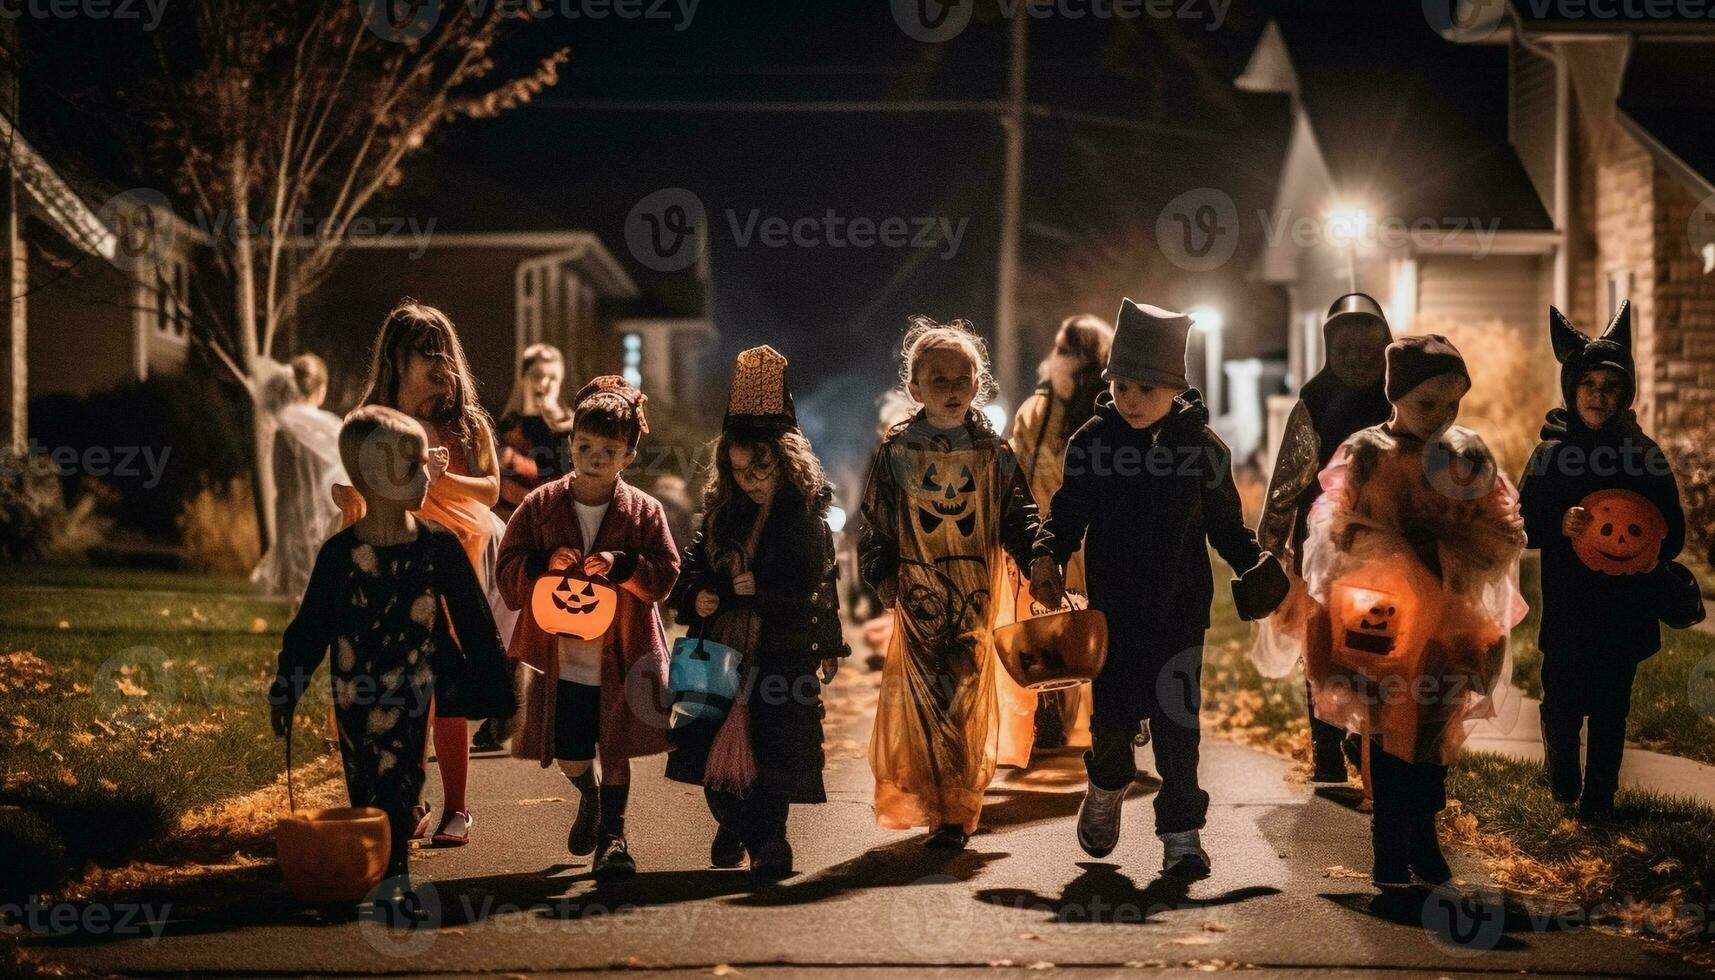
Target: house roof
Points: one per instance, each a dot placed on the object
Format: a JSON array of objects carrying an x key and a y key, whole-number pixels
[
  {"x": 1663, "y": 81},
  {"x": 1410, "y": 124},
  {"x": 53, "y": 198},
  {"x": 1538, "y": 16}
]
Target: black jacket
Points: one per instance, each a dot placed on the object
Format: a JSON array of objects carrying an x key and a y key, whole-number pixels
[
  {"x": 1148, "y": 499},
  {"x": 1585, "y": 611},
  {"x": 797, "y": 596}
]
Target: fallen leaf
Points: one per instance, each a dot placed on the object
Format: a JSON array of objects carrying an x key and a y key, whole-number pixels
[
  {"x": 1040, "y": 965},
  {"x": 1028, "y": 935},
  {"x": 1341, "y": 871},
  {"x": 724, "y": 970},
  {"x": 258, "y": 625},
  {"x": 545, "y": 799},
  {"x": 1194, "y": 940},
  {"x": 1214, "y": 927}
]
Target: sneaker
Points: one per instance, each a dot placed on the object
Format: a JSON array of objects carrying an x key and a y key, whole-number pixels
[
  {"x": 421, "y": 811},
  {"x": 772, "y": 861},
  {"x": 727, "y": 850},
  {"x": 1182, "y": 855},
  {"x": 455, "y": 830},
  {"x": 948, "y": 837},
  {"x": 580, "y": 839},
  {"x": 1099, "y": 820},
  {"x": 613, "y": 859}
]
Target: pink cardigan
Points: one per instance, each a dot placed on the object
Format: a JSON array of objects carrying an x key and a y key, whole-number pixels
[{"x": 634, "y": 700}]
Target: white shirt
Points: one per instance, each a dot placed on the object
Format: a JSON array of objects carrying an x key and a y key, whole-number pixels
[{"x": 580, "y": 660}]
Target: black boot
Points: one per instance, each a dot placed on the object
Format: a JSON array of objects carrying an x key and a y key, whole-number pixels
[
  {"x": 580, "y": 839},
  {"x": 1330, "y": 763},
  {"x": 1390, "y": 836},
  {"x": 1050, "y": 726},
  {"x": 1427, "y": 861}
]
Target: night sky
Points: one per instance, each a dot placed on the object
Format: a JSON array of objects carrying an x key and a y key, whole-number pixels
[{"x": 1093, "y": 191}]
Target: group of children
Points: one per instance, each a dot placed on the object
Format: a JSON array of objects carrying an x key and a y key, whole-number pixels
[{"x": 1388, "y": 554}]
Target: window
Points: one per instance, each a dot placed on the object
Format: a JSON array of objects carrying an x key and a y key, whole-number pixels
[
  {"x": 633, "y": 361},
  {"x": 1619, "y": 289},
  {"x": 163, "y": 307}
]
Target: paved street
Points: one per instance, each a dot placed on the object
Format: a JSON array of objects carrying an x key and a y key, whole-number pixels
[{"x": 1023, "y": 896}]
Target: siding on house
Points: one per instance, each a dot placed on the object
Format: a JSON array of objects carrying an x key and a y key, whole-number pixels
[{"x": 1467, "y": 289}]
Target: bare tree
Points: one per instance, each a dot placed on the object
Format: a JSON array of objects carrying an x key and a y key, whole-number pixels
[{"x": 276, "y": 116}]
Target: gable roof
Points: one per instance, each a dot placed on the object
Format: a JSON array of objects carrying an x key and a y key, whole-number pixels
[
  {"x": 1408, "y": 122},
  {"x": 1664, "y": 82}
]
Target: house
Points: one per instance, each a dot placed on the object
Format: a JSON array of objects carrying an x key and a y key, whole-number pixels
[
  {"x": 1481, "y": 173},
  {"x": 99, "y": 283}
]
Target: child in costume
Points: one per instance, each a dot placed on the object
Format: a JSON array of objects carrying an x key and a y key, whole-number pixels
[
  {"x": 1343, "y": 397},
  {"x": 945, "y": 496},
  {"x": 418, "y": 367},
  {"x": 760, "y": 577},
  {"x": 1598, "y": 616},
  {"x": 389, "y": 594},
  {"x": 1412, "y": 554},
  {"x": 1152, "y": 486},
  {"x": 601, "y": 696},
  {"x": 1064, "y": 399}
]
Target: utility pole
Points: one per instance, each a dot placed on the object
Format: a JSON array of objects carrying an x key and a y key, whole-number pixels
[
  {"x": 1011, "y": 213},
  {"x": 14, "y": 362}
]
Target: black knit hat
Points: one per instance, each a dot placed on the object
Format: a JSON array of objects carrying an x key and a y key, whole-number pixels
[{"x": 1413, "y": 360}]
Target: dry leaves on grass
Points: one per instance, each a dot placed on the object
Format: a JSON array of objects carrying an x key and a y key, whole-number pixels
[
  {"x": 22, "y": 672},
  {"x": 1341, "y": 871}
]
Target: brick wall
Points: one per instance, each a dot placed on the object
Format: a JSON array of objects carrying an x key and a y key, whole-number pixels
[{"x": 1684, "y": 354}]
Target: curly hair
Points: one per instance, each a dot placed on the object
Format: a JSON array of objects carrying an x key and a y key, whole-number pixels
[
  {"x": 802, "y": 470},
  {"x": 926, "y": 334}
]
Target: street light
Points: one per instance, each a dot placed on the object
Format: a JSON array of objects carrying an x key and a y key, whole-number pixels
[
  {"x": 1348, "y": 224},
  {"x": 1209, "y": 322}
]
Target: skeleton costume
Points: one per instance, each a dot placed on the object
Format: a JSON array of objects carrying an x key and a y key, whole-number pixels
[
  {"x": 390, "y": 613},
  {"x": 940, "y": 507}
]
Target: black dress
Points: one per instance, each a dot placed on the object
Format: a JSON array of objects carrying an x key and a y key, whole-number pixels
[{"x": 798, "y": 600}]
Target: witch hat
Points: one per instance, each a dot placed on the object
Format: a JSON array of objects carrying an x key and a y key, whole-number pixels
[{"x": 760, "y": 401}]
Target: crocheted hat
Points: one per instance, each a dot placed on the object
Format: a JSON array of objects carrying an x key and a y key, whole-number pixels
[
  {"x": 1149, "y": 346},
  {"x": 760, "y": 400},
  {"x": 619, "y": 386}
]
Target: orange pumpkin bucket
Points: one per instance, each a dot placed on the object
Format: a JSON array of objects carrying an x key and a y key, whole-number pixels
[
  {"x": 1054, "y": 650},
  {"x": 1625, "y": 533},
  {"x": 330, "y": 857},
  {"x": 569, "y": 604}
]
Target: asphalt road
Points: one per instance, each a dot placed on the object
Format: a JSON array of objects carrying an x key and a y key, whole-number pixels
[{"x": 869, "y": 901}]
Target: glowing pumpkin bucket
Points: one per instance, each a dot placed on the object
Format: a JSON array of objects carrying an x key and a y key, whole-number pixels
[
  {"x": 1625, "y": 533},
  {"x": 1381, "y": 616},
  {"x": 568, "y": 604},
  {"x": 335, "y": 856},
  {"x": 1054, "y": 650}
]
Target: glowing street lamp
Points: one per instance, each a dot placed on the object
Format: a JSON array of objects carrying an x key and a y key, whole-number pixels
[{"x": 1348, "y": 224}]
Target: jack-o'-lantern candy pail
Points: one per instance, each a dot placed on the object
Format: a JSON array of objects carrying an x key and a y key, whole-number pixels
[
  {"x": 334, "y": 855},
  {"x": 569, "y": 604},
  {"x": 1625, "y": 533},
  {"x": 1381, "y": 616}
]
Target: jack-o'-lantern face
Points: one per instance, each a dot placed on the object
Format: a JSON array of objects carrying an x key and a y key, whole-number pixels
[
  {"x": 570, "y": 605},
  {"x": 1368, "y": 621},
  {"x": 947, "y": 497},
  {"x": 1625, "y": 533}
]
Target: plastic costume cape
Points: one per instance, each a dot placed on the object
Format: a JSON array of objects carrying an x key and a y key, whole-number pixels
[
  {"x": 937, "y": 736},
  {"x": 1410, "y": 592},
  {"x": 306, "y": 466}
]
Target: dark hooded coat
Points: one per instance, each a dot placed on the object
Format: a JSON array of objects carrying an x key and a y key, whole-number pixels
[{"x": 1586, "y": 612}]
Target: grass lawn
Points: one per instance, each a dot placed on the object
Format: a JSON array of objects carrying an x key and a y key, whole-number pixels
[
  {"x": 1658, "y": 852},
  {"x": 127, "y": 699},
  {"x": 1673, "y": 698}
]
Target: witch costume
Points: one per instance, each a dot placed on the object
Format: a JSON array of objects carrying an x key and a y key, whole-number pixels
[
  {"x": 786, "y": 628},
  {"x": 940, "y": 507},
  {"x": 1327, "y": 413},
  {"x": 1597, "y": 625}
]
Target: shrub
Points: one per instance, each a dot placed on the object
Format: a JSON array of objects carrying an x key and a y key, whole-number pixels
[
  {"x": 219, "y": 532},
  {"x": 1693, "y": 458},
  {"x": 35, "y": 522},
  {"x": 1514, "y": 382}
]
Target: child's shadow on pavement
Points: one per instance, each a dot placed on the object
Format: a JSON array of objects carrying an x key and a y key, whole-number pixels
[
  {"x": 1103, "y": 895},
  {"x": 1479, "y": 920},
  {"x": 467, "y": 900},
  {"x": 897, "y": 865}
]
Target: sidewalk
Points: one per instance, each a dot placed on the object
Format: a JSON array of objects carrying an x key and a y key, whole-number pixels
[{"x": 1641, "y": 769}]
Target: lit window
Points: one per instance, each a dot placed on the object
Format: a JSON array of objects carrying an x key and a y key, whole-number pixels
[{"x": 632, "y": 369}]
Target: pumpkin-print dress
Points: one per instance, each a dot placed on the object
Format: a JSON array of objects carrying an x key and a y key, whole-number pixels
[
  {"x": 940, "y": 508},
  {"x": 390, "y": 614}
]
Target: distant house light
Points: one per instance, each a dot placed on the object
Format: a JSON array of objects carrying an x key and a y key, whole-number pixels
[
  {"x": 632, "y": 366},
  {"x": 1348, "y": 224}
]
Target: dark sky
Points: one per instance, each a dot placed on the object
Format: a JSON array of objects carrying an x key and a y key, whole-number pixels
[{"x": 1093, "y": 191}]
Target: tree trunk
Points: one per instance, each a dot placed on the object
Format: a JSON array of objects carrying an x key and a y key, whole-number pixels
[{"x": 255, "y": 359}]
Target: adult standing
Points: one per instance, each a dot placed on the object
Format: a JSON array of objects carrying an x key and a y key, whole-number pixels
[{"x": 306, "y": 466}]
